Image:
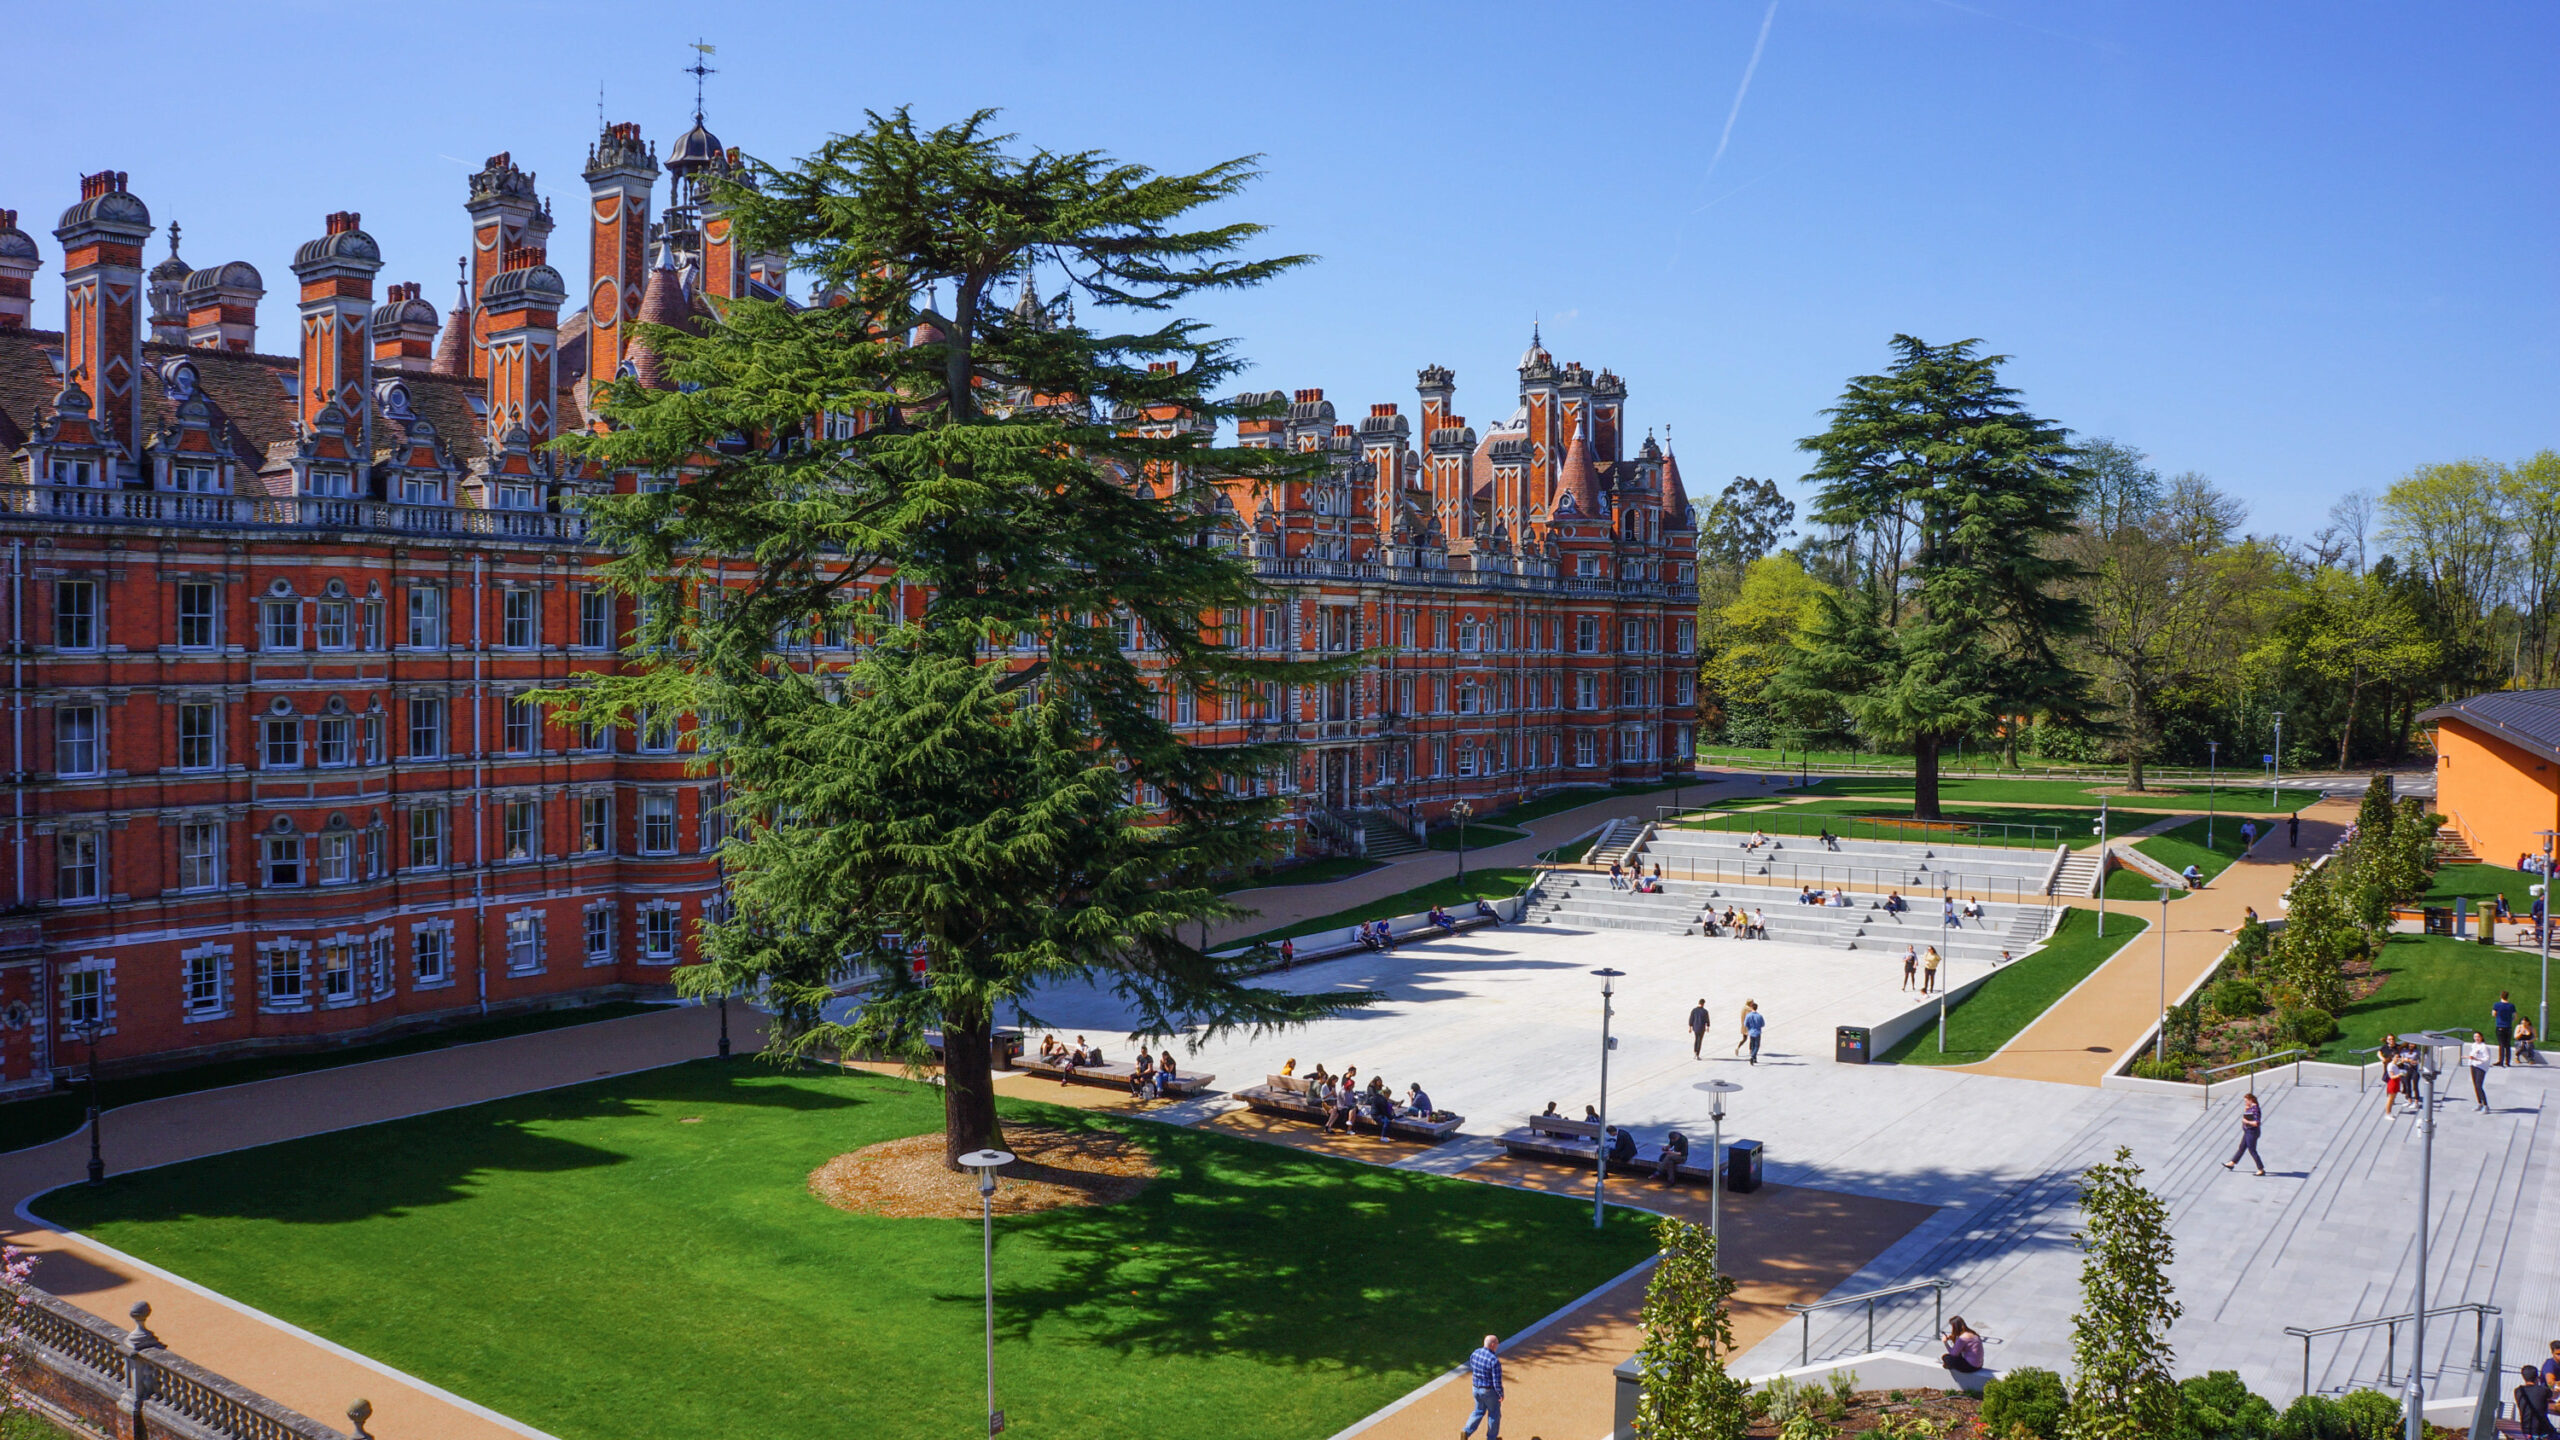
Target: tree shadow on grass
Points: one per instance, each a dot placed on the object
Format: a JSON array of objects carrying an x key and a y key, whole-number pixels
[
  {"x": 1260, "y": 1250},
  {"x": 421, "y": 1161}
]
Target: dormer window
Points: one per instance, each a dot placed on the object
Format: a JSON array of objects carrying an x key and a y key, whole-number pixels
[
  {"x": 333, "y": 484},
  {"x": 417, "y": 489},
  {"x": 73, "y": 472},
  {"x": 517, "y": 497},
  {"x": 195, "y": 478}
]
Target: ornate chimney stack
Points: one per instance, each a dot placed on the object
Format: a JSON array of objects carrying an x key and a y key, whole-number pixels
[
  {"x": 102, "y": 302},
  {"x": 620, "y": 175},
  {"x": 19, "y": 261},
  {"x": 222, "y": 306},
  {"x": 404, "y": 330},
  {"x": 521, "y": 309},
  {"x": 506, "y": 215},
  {"x": 337, "y": 273}
]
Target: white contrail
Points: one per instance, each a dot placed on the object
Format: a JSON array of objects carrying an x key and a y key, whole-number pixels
[{"x": 1743, "y": 89}]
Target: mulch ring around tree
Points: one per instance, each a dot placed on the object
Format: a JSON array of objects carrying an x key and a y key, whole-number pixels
[{"x": 1054, "y": 1167}]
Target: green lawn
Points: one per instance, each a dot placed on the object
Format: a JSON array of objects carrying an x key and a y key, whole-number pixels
[
  {"x": 1309, "y": 872},
  {"x": 1576, "y": 798},
  {"x": 1479, "y": 834},
  {"x": 2134, "y": 887},
  {"x": 2480, "y": 881},
  {"x": 2185, "y": 846},
  {"x": 2435, "y": 982},
  {"x": 1956, "y": 789},
  {"x": 1988, "y": 1018},
  {"x": 1448, "y": 890},
  {"x": 641, "y": 1259},
  {"x": 50, "y": 1117}
]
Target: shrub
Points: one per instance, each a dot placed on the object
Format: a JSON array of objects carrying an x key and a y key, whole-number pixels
[
  {"x": 1805, "y": 1426},
  {"x": 2028, "y": 1400},
  {"x": 2173, "y": 1068},
  {"x": 2237, "y": 997},
  {"x": 2362, "y": 1415},
  {"x": 2219, "y": 1407},
  {"x": 2370, "y": 1415},
  {"x": 2309, "y": 1026}
]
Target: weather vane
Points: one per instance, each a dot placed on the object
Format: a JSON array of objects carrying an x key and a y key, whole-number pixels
[{"x": 698, "y": 70}]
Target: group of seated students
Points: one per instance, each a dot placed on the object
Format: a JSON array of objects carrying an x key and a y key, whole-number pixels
[
  {"x": 1153, "y": 1075},
  {"x": 1758, "y": 839},
  {"x": 1377, "y": 935},
  {"x": 1345, "y": 1102},
  {"x": 1817, "y": 896},
  {"x": 1068, "y": 1058},
  {"x": 1737, "y": 923},
  {"x": 1621, "y": 1145}
]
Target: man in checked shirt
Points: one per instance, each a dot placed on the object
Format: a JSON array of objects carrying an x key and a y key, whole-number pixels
[{"x": 1484, "y": 1371}]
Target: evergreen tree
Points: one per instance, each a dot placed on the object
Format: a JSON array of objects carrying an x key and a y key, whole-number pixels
[
  {"x": 1688, "y": 1336},
  {"x": 1001, "y": 507},
  {"x": 1955, "y": 626},
  {"x": 2121, "y": 1387}
]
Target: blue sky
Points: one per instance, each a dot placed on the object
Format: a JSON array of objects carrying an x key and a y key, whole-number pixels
[{"x": 2300, "y": 248}]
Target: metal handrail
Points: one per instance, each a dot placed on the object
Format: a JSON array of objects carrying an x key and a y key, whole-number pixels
[
  {"x": 2297, "y": 1052},
  {"x": 2480, "y": 1314},
  {"x": 1869, "y": 1299}
]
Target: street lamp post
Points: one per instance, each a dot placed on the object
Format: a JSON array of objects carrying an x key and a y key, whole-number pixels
[
  {"x": 2212, "y": 775},
  {"x": 1716, "y": 1091},
  {"x": 2542, "y": 922},
  {"x": 2417, "y": 1397},
  {"x": 1946, "y": 962},
  {"x": 1461, "y": 812},
  {"x": 1600, "y": 1171},
  {"x": 724, "y": 1025},
  {"x": 986, "y": 1162},
  {"x": 2102, "y": 867},
  {"x": 2275, "y": 763},
  {"x": 2160, "y": 1037},
  {"x": 97, "y": 1165}
]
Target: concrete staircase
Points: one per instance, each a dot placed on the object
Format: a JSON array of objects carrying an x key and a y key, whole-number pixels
[
  {"x": 2080, "y": 874},
  {"x": 1617, "y": 840},
  {"x": 2452, "y": 849},
  {"x": 1586, "y": 901},
  {"x": 1384, "y": 839}
]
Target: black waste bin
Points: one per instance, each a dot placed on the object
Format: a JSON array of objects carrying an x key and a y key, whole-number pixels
[
  {"x": 2439, "y": 919},
  {"x": 1849, "y": 1045},
  {"x": 1742, "y": 1166}
]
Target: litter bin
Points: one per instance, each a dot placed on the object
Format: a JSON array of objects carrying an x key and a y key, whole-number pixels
[
  {"x": 1849, "y": 1045},
  {"x": 1008, "y": 1046},
  {"x": 1742, "y": 1166},
  {"x": 2439, "y": 919}
]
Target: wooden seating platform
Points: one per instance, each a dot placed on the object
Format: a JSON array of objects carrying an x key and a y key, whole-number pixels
[
  {"x": 1115, "y": 1073},
  {"x": 1287, "y": 1095},
  {"x": 1577, "y": 1143}
]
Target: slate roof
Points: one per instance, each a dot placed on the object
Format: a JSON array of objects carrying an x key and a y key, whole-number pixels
[
  {"x": 253, "y": 394},
  {"x": 2526, "y": 719}
]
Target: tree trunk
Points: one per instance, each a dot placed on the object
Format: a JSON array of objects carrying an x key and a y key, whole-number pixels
[
  {"x": 2134, "y": 740},
  {"x": 2347, "y": 732},
  {"x": 1924, "y": 778},
  {"x": 968, "y": 1087},
  {"x": 2009, "y": 729}
]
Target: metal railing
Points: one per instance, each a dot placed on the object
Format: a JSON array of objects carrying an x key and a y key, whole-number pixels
[
  {"x": 2296, "y": 1052},
  {"x": 2391, "y": 1346},
  {"x": 1862, "y": 879},
  {"x": 1831, "y": 763},
  {"x": 2484, "y": 1410},
  {"x": 1869, "y": 1299},
  {"x": 301, "y": 512},
  {"x": 2006, "y": 834}
]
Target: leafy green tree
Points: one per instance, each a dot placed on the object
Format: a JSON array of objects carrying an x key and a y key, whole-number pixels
[
  {"x": 1688, "y": 1336},
  {"x": 2122, "y": 489},
  {"x": 2359, "y": 632},
  {"x": 1753, "y": 635},
  {"x": 2121, "y": 1386},
  {"x": 942, "y": 816},
  {"x": 2320, "y": 939},
  {"x": 1746, "y": 521},
  {"x": 1957, "y": 624}
]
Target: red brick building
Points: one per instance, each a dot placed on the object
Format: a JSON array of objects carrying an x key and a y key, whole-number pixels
[{"x": 271, "y": 619}]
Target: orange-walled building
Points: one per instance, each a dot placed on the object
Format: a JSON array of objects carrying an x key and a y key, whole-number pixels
[
  {"x": 2498, "y": 770},
  {"x": 273, "y": 618}
]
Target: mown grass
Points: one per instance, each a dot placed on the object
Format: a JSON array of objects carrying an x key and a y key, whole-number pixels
[
  {"x": 1957, "y": 789},
  {"x": 2435, "y": 982},
  {"x": 2186, "y": 846},
  {"x": 641, "y": 1259},
  {"x": 2011, "y": 1000}
]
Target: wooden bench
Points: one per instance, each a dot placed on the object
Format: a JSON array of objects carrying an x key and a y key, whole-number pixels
[
  {"x": 1577, "y": 1143},
  {"x": 1115, "y": 1073},
  {"x": 1287, "y": 1095}
]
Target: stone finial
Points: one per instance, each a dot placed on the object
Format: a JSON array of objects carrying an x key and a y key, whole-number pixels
[
  {"x": 142, "y": 1338},
  {"x": 358, "y": 1413}
]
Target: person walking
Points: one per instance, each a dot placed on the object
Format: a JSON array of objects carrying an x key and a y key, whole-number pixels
[
  {"x": 1929, "y": 972},
  {"x": 1910, "y": 966},
  {"x": 1484, "y": 1372},
  {"x": 2251, "y": 1120},
  {"x": 2293, "y": 831},
  {"x": 1752, "y": 1022},
  {"x": 2389, "y": 1054},
  {"x": 2248, "y": 834},
  {"x": 2476, "y": 1055},
  {"x": 1699, "y": 1020},
  {"x": 2503, "y": 1020}
]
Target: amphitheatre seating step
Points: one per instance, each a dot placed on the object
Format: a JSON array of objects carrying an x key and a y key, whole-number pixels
[
  {"x": 1287, "y": 1095},
  {"x": 1114, "y": 1073}
]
